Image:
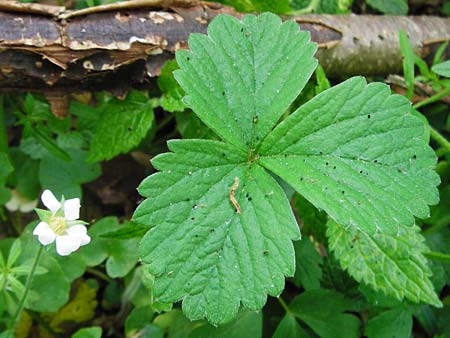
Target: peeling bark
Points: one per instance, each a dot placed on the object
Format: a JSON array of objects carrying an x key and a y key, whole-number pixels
[{"x": 118, "y": 46}]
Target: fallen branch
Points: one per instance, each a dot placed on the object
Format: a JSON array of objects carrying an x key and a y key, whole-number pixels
[{"x": 114, "y": 47}]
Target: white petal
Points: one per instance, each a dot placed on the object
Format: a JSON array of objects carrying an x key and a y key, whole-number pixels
[
  {"x": 14, "y": 203},
  {"x": 66, "y": 244},
  {"x": 79, "y": 231},
  {"x": 44, "y": 233},
  {"x": 72, "y": 209},
  {"x": 50, "y": 201},
  {"x": 28, "y": 206}
]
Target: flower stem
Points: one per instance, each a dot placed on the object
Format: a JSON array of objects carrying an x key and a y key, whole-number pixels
[
  {"x": 432, "y": 99},
  {"x": 16, "y": 318},
  {"x": 439, "y": 138},
  {"x": 284, "y": 305}
]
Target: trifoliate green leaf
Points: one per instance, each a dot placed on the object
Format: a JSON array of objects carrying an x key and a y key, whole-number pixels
[
  {"x": 200, "y": 248},
  {"x": 323, "y": 311},
  {"x": 238, "y": 78},
  {"x": 356, "y": 152},
  {"x": 392, "y": 323},
  {"x": 220, "y": 226},
  {"x": 393, "y": 264},
  {"x": 122, "y": 126}
]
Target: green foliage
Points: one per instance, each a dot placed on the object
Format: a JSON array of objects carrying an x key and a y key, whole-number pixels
[
  {"x": 172, "y": 92},
  {"x": 120, "y": 254},
  {"x": 308, "y": 262},
  {"x": 324, "y": 312},
  {"x": 122, "y": 126},
  {"x": 5, "y": 169},
  {"x": 392, "y": 263},
  {"x": 279, "y": 6},
  {"x": 396, "y": 322},
  {"x": 65, "y": 177},
  {"x": 88, "y": 332},
  {"x": 211, "y": 241},
  {"x": 442, "y": 69},
  {"x": 395, "y": 7}
]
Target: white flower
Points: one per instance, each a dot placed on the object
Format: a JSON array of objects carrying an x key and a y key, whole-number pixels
[
  {"x": 18, "y": 202},
  {"x": 61, "y": 224}
]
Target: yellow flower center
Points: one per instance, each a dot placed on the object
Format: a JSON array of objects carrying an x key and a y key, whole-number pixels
[{"x": 58, "y": 225}]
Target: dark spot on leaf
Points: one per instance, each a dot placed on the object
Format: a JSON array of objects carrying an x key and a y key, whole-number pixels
[
  {"x": 265, "y": 252},
  {"x": 320, "y": 153},
  {"x": 414, "y": 156},
  {"x": 242, "y": 29},
  {"x": 195, "y": 206},
  {"x": 223, "y": 154},
  {"x": 223, "y": 93},
  {"x": 188, "y": 58},
  {"x": 246, "y": 195},
  {"x": 212, "y": 230},
  {"x": 130, "y": 129},
  {"x": 192, "y": 218},
  {"x": 301, "y": 178},
  {"x": 368, "y": 116},
  {"x": 343, "y": 192},
  {"x": 334, "y": 167},
  {"x": 326, "y": 163},
  {"x": 360, "y": 171},
  {"x": 375, "y": 161}
]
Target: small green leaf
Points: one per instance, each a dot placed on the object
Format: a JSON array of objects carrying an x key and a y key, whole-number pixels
[
  {"x": 392, "y": 263},
  {"x": 88, "y": 332},
  {"x": 138, "y": 319},
  {"x": 48, "y": 143},
  {"x": 308, "y": 270},
  {"x": 65, "y": 178},
  {"x": 130, "y": 230},
  {"x": 26, "y": 174},
  {"x": 392, "y": 323},
  {"x": 289, "y": 328},
  {"x": 14, "y": 253},
  {"x": 172, "y": 92},
  {"x": 442, "y": 69},
  {"x": 323, "y": 311},
  {"x": 396, "y": 7},
  {"x": 121, "y": 254},
  {"x": 246, "y": 325},
  {"x": 356, "y": 152},
  {"x": 5, "y": 169},
  {"x": 122, "y": 126},
  {"x": 190, "y": 126}
]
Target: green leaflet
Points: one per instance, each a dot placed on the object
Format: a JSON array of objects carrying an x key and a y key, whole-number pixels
[
  {"x": 396, "y": 322},
  {"x": 356, "y": 152},
  {"x": 220, "y": 226},
  {"x": 393, "y": 264},
  {"x": 398, "y": 7},
  {"x": 122, "y": 125},
  {"x": 200, "y": 249},
  {"x": 442, "y": 69},
  {"x": 238, "y": 78}
]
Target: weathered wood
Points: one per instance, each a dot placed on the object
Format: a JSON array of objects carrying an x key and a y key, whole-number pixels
[{"x": 117, "y": 46}]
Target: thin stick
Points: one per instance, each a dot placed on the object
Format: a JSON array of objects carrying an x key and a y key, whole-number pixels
[{"x": 232, "y": 198}]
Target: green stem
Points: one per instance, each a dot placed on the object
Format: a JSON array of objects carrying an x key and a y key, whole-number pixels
[
  {"x": 284, "y": 305},
  {"x": 16, "y": 318},
  {"x": 438, "y": 256},
  {"x": 3, "y": 132},
  {"x": 432, "y": 99},
  {"x": 99, "y": 274},
  {"x": 439, "y": 138}
]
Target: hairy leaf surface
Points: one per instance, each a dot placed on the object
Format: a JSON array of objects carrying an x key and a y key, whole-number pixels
[
  {"x": 356, "y": 152},
  {"x": 393, "y": 264},
  {"x": 238, "y": 78},
  {"x": 199, "y": 247}
]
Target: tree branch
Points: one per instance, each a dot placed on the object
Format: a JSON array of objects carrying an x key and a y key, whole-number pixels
[{"x": 114, "y": 47}]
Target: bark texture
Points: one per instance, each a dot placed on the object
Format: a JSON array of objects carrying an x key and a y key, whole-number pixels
[{"x": 114, "y": 47}]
